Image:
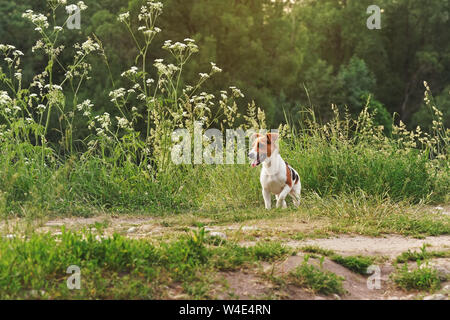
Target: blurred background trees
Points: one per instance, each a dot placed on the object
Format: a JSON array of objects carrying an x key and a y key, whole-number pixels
[{"x": 284, "y": 55}]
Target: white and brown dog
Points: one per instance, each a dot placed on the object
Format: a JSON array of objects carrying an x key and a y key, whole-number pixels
[{"x": 277, "y": 176}]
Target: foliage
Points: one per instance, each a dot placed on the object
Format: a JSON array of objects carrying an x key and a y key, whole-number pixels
[
  {"x": 112, "y": 267},
  {"x": 421, "y": 255},
  {"x": 316, "y": 279},
  {"x": 424, "y": 277},
  {"x": 270, "y": 49},
  {"x": 122, "y": 159}
]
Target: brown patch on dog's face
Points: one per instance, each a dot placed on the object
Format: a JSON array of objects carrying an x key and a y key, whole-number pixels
[{"x": 263, "y": 147}]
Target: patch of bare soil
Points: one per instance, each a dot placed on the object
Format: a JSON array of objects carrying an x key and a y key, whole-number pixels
[
  {"x": 354, "y": 284},
  {"x": 244, "y": 286},
  {"x": 256, "y": 285},
  {"x": 390, "y": 245}
]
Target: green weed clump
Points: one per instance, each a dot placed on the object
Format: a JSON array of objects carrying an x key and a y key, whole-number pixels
[
  {"x": 421, "y": 255},
  {"x": 423, "y": 278},
  {"x": 316, "y": 279},
  {"x": 357, "y": 264}
]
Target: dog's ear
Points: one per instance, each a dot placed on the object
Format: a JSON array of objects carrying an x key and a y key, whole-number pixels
[{"x": 272, "y": 137}]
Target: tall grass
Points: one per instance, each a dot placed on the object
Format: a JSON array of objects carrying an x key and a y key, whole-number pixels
[{"x": 123, "y": 164}]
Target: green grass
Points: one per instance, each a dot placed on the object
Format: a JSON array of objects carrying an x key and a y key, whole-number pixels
[
  {"x": 317, "y": 250},
  {"x": 269, "y": 251},
  {"x": 422, "y": 255},
  {"x": 423, "y": 278},
  {"x": 47, "y": 169},
  {"x": 358, "y": 264},
  {"x": 117, "y": 267},
  {"x": 346, "y": 214},
  {"x": 316, "y": 279}
]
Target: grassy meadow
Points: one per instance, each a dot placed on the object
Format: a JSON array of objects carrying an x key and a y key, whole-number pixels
[{"x": 357, "y": 178}]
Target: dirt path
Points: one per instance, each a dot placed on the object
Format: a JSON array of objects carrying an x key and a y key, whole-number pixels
[
  {"x": 389, "y": 245},
  {"x": 137, "y": 227},
  {"x": 254, "y": 284}
]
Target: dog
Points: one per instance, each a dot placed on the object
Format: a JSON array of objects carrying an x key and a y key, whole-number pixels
[{"x": 277, "y": 176}]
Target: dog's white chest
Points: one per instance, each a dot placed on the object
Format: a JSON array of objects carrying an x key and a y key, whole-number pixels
[{"x": 272, "y": 182}]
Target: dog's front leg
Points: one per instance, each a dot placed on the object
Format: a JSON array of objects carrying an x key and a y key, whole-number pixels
[
  {"x": 267, "y": 199},
  {"x": 281, "y": 202}
]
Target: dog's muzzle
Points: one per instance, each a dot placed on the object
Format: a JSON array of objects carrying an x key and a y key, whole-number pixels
[{"x": 256, "y": 159}]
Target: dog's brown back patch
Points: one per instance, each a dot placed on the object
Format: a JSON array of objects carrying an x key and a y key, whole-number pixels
[{"x": 288, "y": 176}]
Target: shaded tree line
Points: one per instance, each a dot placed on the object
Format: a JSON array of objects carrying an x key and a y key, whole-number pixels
[{"x": 284, "y": 55}]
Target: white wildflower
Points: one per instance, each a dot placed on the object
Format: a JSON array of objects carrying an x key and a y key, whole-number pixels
[
  {"x": 71, "y": 8},
  {"x": 81, "y": 5},
  {"x": 89, "y": 46},
  {"x": 215, "y": 68},
  {"x": 123, "y": 123},
  {"x": 4, "y": 98},
  {"x": 41, "y": 107},
  {"x": 116, "y": 94},
  {"x": 17, "y": 53},
  {"x": 132, "y": 71},
  {"x": 104, "y": 120},
  {"x": 39, "y": 44},
  {"x": 123, "y": 17},
  {"x": 38, "y": 19}
]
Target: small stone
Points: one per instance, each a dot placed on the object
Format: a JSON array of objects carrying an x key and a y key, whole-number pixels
[
  {"x": 393, "y": 298},
  {"x": 131, "y": 230},
  {"x": 36, "y": 293},
  {"x": 336, "y": 297},
  {"x": 267, "y": 268},
  {"x": 249, "y": 228},
  {"x": 319, "y": 298},
  {"x": 218, "y": 234},
  {"x": 57, "y": 233},
  {"x": 146, "y": 228},
  {"x": 446, "y": 288},
  {"x": 439, "y": 208},
  {"x": 435, "y": 297}
]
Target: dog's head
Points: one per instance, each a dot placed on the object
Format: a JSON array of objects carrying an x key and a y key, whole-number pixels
[{"x": 262, "y": 148}]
